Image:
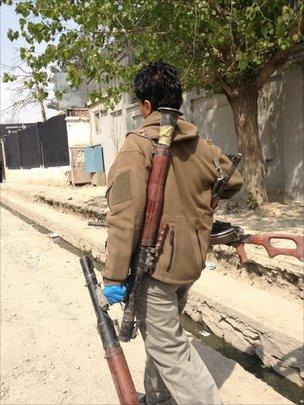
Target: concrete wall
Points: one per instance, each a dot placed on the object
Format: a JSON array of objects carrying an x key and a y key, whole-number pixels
[
  {"x": 281, "y": 123},
  {"x": 39, "y": 175},
  {"x": 214, "y": 119},
  {"x": 293, "y": 130}
]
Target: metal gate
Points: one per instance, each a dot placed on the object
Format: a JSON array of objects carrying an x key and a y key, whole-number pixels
[
  {"x": 30, "y": 148},
  {"x": 41, "y": 144},
  {"x": 94, "y": 161},
  {"x": 12, "y": 153},
  {"x": 54, "y": 141}
]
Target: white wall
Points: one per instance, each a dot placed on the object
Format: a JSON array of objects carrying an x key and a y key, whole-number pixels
[
  {"x": 214, "y": 118},
  {"x": 113, "y": 127},
  {"x": 39, "y": 175},
  {"x": 281, "y": 115},
  {"x": 293, "y": 130},
  {"x": 79, "y": 131}
]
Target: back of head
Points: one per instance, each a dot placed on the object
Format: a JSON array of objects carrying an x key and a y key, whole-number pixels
[{"x": 160, "y": 84}]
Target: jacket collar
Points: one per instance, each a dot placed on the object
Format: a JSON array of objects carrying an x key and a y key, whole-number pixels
[{"x": 184, "y": 129}]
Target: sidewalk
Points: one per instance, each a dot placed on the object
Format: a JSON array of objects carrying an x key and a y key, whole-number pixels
[
  {"x": 274, "y": 217},
  {"x": 257, "y": 309},
  {"x": 282, "y": 274}
]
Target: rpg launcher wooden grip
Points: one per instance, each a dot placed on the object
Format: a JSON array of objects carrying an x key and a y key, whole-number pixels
[
  {"x": 113, "y": 352},
  {"x": 156, "y": 189}
]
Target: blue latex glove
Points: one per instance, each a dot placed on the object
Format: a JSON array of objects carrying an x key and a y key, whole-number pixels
[{"x": 115, "y": 293}]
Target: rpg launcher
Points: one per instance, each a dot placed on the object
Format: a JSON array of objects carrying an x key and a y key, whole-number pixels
[
  {"x": 154, "y": 234},
  {"x": 113, "y": 352}
]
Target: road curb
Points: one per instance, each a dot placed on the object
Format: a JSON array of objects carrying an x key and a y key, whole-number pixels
[{"x": 277, "y": 349}]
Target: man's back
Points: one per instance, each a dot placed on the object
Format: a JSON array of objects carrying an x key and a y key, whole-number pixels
[{"x": 195, "y": 165}]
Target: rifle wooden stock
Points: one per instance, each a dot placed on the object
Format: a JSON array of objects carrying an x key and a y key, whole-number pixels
[
  {"x": 113, "y": 352},
  {"x": 272, "y": 251},
  {"x": 224, "y": 233}
]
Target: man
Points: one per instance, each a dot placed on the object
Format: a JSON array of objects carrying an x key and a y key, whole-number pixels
[{"x": 174, "y": 371}]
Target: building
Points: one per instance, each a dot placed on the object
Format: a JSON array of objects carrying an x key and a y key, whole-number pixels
[{"x": 281, "y": 122}]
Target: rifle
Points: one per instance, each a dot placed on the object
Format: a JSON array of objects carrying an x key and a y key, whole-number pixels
[
  {"x": 153, "y": 236},
  {"x": 227, "y": 234},
  {"x": 223, "y": 179},
  {"x": 113, "y": 351}
]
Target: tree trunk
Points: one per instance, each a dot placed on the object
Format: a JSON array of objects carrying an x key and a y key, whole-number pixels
[
  {"x": 43, "y": 113},
  {"x": 245, "y": 112}
]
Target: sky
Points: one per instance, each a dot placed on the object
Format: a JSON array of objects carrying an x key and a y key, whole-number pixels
[{"x": 9, "y": 55}]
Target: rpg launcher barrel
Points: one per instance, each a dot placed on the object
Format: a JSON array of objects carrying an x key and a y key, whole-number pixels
[
  {"x": 113, "y": 352},
  {"x": 154, "y": 234}
]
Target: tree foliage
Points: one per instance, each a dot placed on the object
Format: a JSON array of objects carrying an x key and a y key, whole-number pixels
[
  {"x": 227, "y": 46},
  {"x": 215, "y": 44}
]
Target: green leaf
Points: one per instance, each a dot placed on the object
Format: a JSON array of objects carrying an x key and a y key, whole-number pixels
[
  {"x": 12, "y": 35},
  {"x": 243, "y": 64},
  {"x": 8, "y": 77},
  {"x": 226, "y": 41}
]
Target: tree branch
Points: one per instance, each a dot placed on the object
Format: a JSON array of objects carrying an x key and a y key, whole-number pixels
[
  {"x": 278, "y": 60},
  {"x": 226, "y": 88}
]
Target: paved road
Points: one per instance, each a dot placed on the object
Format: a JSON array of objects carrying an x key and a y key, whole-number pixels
[{"x": 50, "y": 351}]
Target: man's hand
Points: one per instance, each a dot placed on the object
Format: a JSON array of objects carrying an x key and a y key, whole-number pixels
[{"x": 115, "y": 293}]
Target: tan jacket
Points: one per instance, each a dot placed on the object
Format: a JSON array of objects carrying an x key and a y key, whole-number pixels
[{"x": 187, "y": 197}]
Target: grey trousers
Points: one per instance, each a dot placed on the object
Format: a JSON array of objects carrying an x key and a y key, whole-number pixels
[{"x": 174, "y": 372}]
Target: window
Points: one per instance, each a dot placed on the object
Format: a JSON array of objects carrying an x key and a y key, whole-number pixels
[
  {"x": 97, "y": 122},
  {"x": 137, "y": 121}
]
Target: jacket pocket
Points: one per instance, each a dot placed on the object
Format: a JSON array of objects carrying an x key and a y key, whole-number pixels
[
  {"x": 199, "y": 244},
  {"x": 202, "y": 232},
  {"x": 172, "y": 248},
  {"x": 121, "y": 188}
]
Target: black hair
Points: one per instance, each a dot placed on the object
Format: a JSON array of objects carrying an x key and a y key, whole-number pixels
[{"x": 160, "y": 84}]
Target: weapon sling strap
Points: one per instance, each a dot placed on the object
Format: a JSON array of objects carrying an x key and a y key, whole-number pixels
[
  {"x": 216, "y": 161},
  {"x": 143, "y": 134}
]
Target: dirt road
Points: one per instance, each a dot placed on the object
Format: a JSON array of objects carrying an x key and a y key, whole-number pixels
[{"x": 50, "y": 351}]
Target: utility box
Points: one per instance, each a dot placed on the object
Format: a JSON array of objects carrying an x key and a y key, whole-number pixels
[
  {"x": 78, "y": 173},
  {"x": 94, "y": 164},
  {"x": 93, "y": 157}
]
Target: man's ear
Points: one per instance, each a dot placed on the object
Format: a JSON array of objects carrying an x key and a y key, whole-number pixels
[{"x": 147, "y": 107}]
